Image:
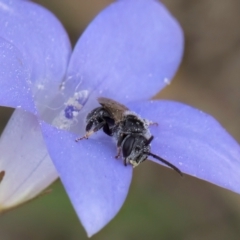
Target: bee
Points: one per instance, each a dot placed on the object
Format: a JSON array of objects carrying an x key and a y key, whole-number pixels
[{"x": 131, "y": 132}]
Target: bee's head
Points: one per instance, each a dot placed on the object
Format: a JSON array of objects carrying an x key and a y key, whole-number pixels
[{"x": 135, "y": 149}]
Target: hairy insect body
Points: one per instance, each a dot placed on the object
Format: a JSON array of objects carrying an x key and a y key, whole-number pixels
[
  {"x": 132, "y": 135},
  {"x": 131, "y": 132}
]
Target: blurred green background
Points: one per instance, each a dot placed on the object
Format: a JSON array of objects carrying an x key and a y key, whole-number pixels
[{"x": 160, "y": 204}]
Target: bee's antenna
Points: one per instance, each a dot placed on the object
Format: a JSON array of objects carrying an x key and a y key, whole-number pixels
[
  {"x": 149, "y": 140},
  {"x": 166, "y": 162}
]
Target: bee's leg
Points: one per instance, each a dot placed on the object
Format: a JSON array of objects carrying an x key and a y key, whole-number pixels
[
  {"x": 153, "y": 123},
  {"x": 125, "y": 162},
  {"x": 86, "y": 136},
  {"x": 149, "y": 140},
  {"x": 118, "y": 152},
  {"x": 119, "y": 143},
  {"x": 89, "y": 133},
  {"x": 150, "y": 123}
]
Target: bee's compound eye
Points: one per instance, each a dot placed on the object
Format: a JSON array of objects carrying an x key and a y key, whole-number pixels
[{"x": 128, "y": 146}]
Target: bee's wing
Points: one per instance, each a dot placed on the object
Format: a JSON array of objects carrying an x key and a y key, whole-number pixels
[{"x": 116, "y": 109}]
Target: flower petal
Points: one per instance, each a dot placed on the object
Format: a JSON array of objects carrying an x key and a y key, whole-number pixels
[
  {"x": 14, "y": 75},
  {"x": 34, "y": 57},
  {"x": 130, "y": 51},
  {"x": 95, "y": 181},
  {"x": 43, "y": 43},
  {"x": 194, "y": 142},
  {"x": 24, "y": 158}
]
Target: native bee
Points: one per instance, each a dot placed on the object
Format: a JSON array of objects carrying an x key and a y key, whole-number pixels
[{"x": 130, "y": 131}]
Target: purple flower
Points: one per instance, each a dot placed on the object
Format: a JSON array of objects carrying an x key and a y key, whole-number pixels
[{"x": 129, "y": 52}]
